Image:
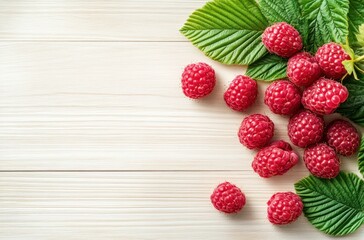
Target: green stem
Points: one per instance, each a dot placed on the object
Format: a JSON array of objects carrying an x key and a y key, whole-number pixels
[
  {"x": 342, "y": 79},
  {"x": 359, "y": 59},
  {"x": 359, "y": 69},
  {"x": 355, "y": 75}
]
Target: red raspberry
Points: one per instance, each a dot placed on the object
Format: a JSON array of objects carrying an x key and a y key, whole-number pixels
[
  {"x": 324, "y": 96},
  {"x": 305, "y": 128},
  {"x": 343, "y": 137},
  {"x": 256, "y": 131},
  {"x": 303, "y": 69},
  {"x": 241, "y": 93},
  {"x": 284, "y": 208},
  {"x": 330, "y": 57},
  {"x": 275, "y": 159},
  {"x": 198, "y": 80},
  {"x": 282, "y": 39},
  {"x": 228, "y": 198},
  {"x": 281, "y": 144},
  {"x": 283, "y": 97},
  {"x": 322, "y": 161}
]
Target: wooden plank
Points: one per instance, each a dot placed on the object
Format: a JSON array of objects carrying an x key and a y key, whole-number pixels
[
  {"x": 139, "y": 205},
  {"x": 126, "y": 20}
]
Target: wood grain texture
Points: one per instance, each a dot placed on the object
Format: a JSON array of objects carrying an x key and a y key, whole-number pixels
[
  {"x": 114, "y": 106},
  {"x": 144, "y": 205},
  {"x": 124, "y": 20},
  {"x": 98, "y": 141}
]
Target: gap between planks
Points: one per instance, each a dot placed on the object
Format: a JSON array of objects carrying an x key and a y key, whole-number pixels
[{"x": 112, "y": 171}]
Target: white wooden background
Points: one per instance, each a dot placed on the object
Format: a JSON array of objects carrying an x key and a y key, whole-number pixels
[{"x": 97, "y": 140}]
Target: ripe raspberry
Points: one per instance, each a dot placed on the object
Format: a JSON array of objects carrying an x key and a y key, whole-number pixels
[
  {"x": 241, "y": 93},
  {"x": 228, "y": 198},
  {"x": 305, "y": 128},
  {"x": 198, "y": 80},
  {"x": 282, "y": 39},
  {"x": 303, "y": 69},
  {"x": 275, "y": 159},
  {"x": 324, "y": 96},
  {"x": 343, "y": 137},
  {"x": 283, "y": 97},
  {"x": 322, "y": 161},
  {"x": 330, "y": 57},
  {"x": 256, "y": 131},
  {"x": 284, "y": 208},
  {"x": 281, "y": 144}
]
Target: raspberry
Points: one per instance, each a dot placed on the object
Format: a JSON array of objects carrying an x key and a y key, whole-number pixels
[
  {"x": 282, "y": 39},
  {"x": 330, "y": 57},
  {"x": 324, "y": 96},
  {"x": 256, "y": 131},
  {"x": 198, "y": 80},
  {"x": 282, "y": 145},
  {"x": 322, "y": 161},
  {"x": 343, "y": 137},
  {"x": 275, "y": 159},
  {"x": 305, "y": 128},
  {"x": 303, "y": 69},
  {"x": 283, "y": 97},
  {"x": 284, "y": 208},
  {"x": 241, "y": 93},
  {"x": 228, "y": 198}
]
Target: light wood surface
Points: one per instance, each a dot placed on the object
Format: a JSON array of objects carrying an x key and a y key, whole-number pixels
[{"x": 98, "y": 141}]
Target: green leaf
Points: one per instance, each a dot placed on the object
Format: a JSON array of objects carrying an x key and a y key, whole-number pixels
[
  {"x": 361, "y": 157},
  {"x": 358, "y": 42},
  {"x": 228, "y": 31},
  {"x": 353, "y": 107},
  {"x": 334, "y": 206},
  {"x": 280, "y": 10},
  {"x": 327, "y": 21},
  {"x": 360, "y": 35},
  {"x": 270, "y": 68},
  {"x": 356, "y": 18},
  {"x": 303, "y": 28},
  {"x": 359, "y": 51}
]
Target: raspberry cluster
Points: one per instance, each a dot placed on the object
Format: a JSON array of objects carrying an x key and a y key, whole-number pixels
[
  {"x": 343, "y": 137},
  {"x": 276, "y": 159},
  {"x": 228, "y": 198},
  {"x": 283, "y": 97},
  {"x": 282, "y": 39},
  {"x": 311, "y": 91},
  {"x": 305, "y": 128},
  {"x": 324, "y": 96},
  {"x": 330, "y": 57},
  {"x": 322, "y": 161},
  {"x": 303, "y": 69},
  {"x": 256, "y": 131},
  {"x": 284, "y": 208},
  {"x": 198, "y": 80},
  {"x": 317, "y": 76},
  {"x": 241, "y": 93}
]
